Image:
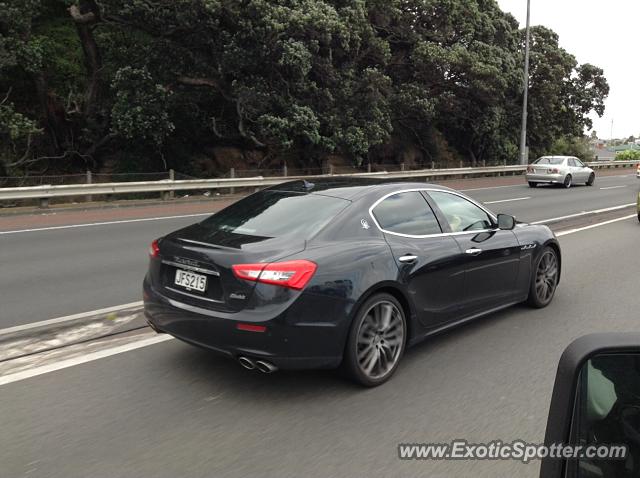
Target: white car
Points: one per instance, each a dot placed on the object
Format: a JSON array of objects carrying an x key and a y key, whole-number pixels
[{"x": 565, "y": 170}]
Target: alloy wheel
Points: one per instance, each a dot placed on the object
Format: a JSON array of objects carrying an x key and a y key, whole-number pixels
[
  {"x": 546, "y": 276},
  {"x": 380, "y": 340}
]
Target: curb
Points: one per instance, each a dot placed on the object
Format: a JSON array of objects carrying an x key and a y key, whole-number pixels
[{"x": 21, "y": 341}]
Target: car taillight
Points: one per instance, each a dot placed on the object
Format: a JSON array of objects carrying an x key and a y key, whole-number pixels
[
  {"x": 554, "y": 171},
  {"x": 529, "y": 169},
  {"x": 291, "y": 274},
  {"x": 251, "y": 327},
  {"x": 154, "y": 249}
]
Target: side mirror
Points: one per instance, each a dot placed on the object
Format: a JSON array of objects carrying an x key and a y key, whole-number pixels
[
  {"x": 596, "y": 406},
  {"x": 506, "y": 222}
]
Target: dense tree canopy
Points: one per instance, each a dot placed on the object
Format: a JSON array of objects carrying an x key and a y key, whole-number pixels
[{"x": 145, "y": 84}]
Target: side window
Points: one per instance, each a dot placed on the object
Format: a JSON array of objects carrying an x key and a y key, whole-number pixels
[
  {"x": 407, "y": 213},
  {"x": 579, "y": 163},
  {"x": 572, "y": 162},
  {"x": 461, "y": 214}
]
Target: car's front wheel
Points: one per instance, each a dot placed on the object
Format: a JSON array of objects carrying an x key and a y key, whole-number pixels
[
  {"x": 544, "y": 279},
  {"x": 376, "y": 340},
  {"x": 591, "y": 180}
]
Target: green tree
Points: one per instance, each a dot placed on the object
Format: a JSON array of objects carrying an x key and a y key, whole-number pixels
[
  {"x": 562, "y": 92},
  {"x": 572, "y": 146},
  {"x": 149, "y": 84},
  {"x": 628, "y": 155}
]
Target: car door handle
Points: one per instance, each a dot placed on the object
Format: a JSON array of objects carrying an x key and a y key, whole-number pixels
[
  {"x": 474, "y": 251},
  {"x": 408, "y": 258}
]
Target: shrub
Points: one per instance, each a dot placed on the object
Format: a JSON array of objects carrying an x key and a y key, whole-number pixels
[{"x": 628, "y": 155}]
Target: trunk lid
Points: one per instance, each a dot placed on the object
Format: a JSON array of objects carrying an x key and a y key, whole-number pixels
[{"x": 197, "y": 250}]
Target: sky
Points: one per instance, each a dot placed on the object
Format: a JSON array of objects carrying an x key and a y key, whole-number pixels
[{"x": 605, "y": 34}]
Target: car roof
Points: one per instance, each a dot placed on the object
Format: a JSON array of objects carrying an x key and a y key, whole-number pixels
[{"x": 351, "y": 188}]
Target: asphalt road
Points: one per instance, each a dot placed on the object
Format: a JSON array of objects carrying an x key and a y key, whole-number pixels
[
  {"x": 171, "y": 410},
  {"x": 57, "y": 272},
  {"x": 545, "y": 202}
]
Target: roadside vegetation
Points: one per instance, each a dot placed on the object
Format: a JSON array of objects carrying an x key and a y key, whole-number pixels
[
  {"x": 628, "y": 155},
  {"x": 204, "y": 85}
]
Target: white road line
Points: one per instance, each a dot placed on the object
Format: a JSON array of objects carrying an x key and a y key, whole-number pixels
[
  {"x": 106, "y": 223},
  {"x": 584, "y": 213},
  {"x": 507, "y": 200},
  {"x": 580, "y": 229},
  {"x": 68, "y": 318},
  {"x": 615, "y": 187},
  {"x": 127, "y": 221},
  {"x": 614, "y": 176},
  {"x": 493, "y": 187},
  {"x": 16, "y": 377},
  {"x": 523, "y": 184}
]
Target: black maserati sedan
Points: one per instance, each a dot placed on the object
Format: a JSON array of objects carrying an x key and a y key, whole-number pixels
[{"x": 343, "y": 273}]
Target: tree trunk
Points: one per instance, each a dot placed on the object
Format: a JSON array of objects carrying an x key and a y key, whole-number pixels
[{"x": 85, "y": 15}]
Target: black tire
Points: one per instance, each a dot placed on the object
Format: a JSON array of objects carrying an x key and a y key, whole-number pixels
[
  {"x": 567, "y": 181},
  {"x": 351, "y": 364},
  {"x": 639, "y": 217},
  {"x": 591, "y": 180},
  {"x": 533, "y": 184},
  {"x": 539, "y": 296}
]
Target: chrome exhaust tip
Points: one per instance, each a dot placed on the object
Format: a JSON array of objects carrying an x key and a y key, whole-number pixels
[
  {"x": 265, "y": 367},
  {"x": 246, "y": 363}
]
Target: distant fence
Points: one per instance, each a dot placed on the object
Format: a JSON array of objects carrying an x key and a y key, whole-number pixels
[{"x": 91, "y": 186}]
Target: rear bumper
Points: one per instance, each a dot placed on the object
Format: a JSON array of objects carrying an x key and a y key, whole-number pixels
[
  {"x": 545, "y": 178},
  {"x": 287, "y": 342}
]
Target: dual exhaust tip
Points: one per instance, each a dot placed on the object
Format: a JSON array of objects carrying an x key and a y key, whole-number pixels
[{"x": 261, "y": 365}]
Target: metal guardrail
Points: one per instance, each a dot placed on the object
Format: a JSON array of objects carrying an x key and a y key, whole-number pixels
[{"x": 165, "y": 187}]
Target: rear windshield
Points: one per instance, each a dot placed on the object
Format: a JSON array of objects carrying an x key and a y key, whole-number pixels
[
  {"x": 556, "y": 161},
  {"x": 269, "y": 214}
]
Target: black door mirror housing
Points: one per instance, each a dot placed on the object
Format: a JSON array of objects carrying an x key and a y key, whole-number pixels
[
  {"x": 506, "y": 222},
  {"x": 596, "y": 401}
]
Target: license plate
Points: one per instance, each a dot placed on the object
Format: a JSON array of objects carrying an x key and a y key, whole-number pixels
[
  {"x": 191, "y": 281},
  {"x": 541, "y": 171}
]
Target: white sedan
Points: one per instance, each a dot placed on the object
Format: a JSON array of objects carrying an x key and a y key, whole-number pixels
[{"x": 565, "y": 170}]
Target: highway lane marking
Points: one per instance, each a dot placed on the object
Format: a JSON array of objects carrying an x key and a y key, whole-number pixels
[
  {"x": 494, "y": 187},
  {"x": 52, "y": 367},
  {"x": 598, "y": 224},
  {"x": 106, "y": 223},
  {"x": 614, "y": 176},
  {"x": 583, "y": 213},
  {"x": 524, "y": 183},
  {"x": 507, "y": 200},
  {"x": 615, "y": 187},
  {"x": 69, "y": 318},
  {"x": 160, "y": 218}
]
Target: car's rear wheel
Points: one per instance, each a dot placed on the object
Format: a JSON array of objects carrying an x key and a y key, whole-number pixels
[
  {"x": 567, "y": 181},
  {"x": 544, "y": 278},
  {"x": 591, "y": 180},
  {"x": 376, "y": 341},
  {"x": 532, "y": 184},
  {"x": 639, "y": 216}
]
